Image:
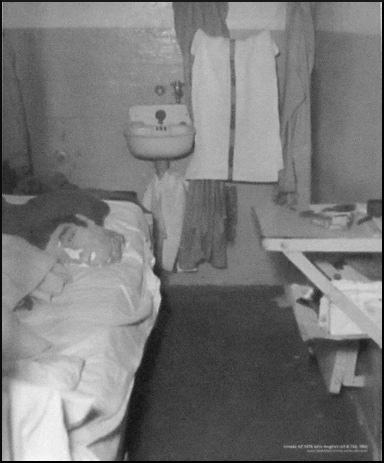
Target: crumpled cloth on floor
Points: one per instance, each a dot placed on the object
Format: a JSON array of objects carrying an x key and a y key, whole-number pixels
[{"x": 165, "y": 197}]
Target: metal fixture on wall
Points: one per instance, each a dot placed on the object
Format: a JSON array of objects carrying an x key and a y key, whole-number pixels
[
  {"x": 160, "y": 90},
  {"x": 178, "y": 90}
]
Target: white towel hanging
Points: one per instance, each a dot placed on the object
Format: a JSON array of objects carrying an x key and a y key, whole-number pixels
[
  {"x": 257, "y": 148},
  {"x": 257, "y": 151},
  {"x": 211, "y": 107}
]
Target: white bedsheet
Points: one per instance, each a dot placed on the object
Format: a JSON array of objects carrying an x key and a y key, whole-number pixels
[
  {"x": 37, "y": 423},
  {"x": 98, "y": 328}
]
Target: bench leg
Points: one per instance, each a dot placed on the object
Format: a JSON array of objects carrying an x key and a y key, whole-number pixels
[{"x": 337, "y": 363}]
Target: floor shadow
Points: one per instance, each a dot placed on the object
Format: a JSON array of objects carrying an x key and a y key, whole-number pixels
[{"x": 140, "y": 393}]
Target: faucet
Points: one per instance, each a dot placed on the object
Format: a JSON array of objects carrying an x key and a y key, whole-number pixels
[{"x": 178, "y": 90}]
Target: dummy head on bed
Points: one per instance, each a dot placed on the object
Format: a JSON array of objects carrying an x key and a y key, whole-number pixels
[{"x": 79, "y": 240}]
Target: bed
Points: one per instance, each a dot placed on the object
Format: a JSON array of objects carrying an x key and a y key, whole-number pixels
[{"x": 66, "y": 392}]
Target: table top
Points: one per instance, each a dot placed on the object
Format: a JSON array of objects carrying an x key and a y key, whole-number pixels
[{"x": 280, "y": 227}]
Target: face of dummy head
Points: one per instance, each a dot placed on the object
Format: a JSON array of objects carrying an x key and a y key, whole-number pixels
[{"x": 86, "y": 244}]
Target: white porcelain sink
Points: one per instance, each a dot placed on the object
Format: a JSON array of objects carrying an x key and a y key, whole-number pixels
[{"x": 157, "y": 132}]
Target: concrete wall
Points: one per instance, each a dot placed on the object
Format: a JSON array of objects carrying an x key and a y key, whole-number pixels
[
  {"x": 242, "y": 15},
  {"x": 53, "y": 15},
  {"x": 347, "y": 102},
  {"x": 80, "y": 73},
  {"x": 347, "y": 110}
]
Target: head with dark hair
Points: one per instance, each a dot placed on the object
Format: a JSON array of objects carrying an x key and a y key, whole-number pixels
[{"x": 40, "y": 236}]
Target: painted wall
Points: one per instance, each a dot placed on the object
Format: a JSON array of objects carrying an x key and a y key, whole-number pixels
[
  {"x": 242, "y": 15},
  {"x": 80, "y": 73},
  {"x": 347, "y": 102},
  {"x": 78, "y": 86},
  {"x": 347, "y": 108},
  {"x": 54, "y": 15}
]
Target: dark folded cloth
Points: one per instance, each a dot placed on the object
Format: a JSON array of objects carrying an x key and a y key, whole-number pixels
[
  {"x": 117, "y": 195},
  {"x": 36, "y": 185},
  {"x": 113, "y": 195},
  {"x": 40, "y": 216}
]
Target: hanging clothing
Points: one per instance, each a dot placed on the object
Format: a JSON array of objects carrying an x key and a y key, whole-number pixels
[
  {"x": 204, "y": 228},
  {"x": 165, "y": 198},
  {"x": 17, "y": 140},
  {"x": 189, "y": 17},
  {"x": 204, "y": 231},
  {"x": 295, "y": 178},
  {"x": 211, "y": 105},
  {"x": 257, "y": 152},
  {"x": 257, "y": 147}
]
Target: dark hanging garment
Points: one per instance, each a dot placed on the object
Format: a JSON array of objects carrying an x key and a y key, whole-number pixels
[{"x": 204, "y": 235}]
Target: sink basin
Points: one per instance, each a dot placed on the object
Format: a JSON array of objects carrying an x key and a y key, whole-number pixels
[{"x": 157, "y": 132}]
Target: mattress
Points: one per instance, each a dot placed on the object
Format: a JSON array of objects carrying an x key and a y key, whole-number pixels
[{"x": 69, "y": 402}]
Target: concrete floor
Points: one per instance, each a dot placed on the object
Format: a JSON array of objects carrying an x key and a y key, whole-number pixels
[{"x": 226, "y": 377}]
